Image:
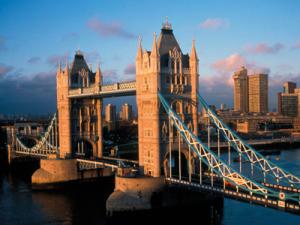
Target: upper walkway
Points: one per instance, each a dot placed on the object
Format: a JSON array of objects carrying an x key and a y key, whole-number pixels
[{"x": 126, "y": 88}]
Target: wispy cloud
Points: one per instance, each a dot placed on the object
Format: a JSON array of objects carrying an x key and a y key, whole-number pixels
[
  {"x": 54, "y": 60},
  {"x": 92, "y": 57},
  {"x": 264, "y": 48},
  {"x": 129, "y": 69},
  {"x": 214, "y": 23},
  {"x": 33, "y": 60},
  {"x": 112, "y": 29},
  {"x": 4, "y": 70},
  {"x": 110, "y": 75},
  {"x": 70, "y": 36},
  {"x": 296, "y": 45}
]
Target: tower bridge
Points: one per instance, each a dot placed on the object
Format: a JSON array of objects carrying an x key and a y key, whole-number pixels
[{"x": 170, "y": 151}]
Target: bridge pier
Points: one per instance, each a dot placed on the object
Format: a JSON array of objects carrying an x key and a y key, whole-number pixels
[
  {"x": 55, "y": 172},
  {"x": 142, "y": 194},
  {"x": 133, "y": 194}
]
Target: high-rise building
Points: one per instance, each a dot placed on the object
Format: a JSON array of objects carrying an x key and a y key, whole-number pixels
[
  {"x": 289, "y": 87},
  {"x": 126, "y": 112},
  {"x": 288, "y": 100},
  {"x": 289, "y": 104},
  {"x": 110, "y": 113},
  {"x": 258, "y": 93},
  {"x": 241, "y": 90}
]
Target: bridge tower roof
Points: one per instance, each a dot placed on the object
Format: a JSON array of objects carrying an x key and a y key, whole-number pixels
[
  {"x": 79, "y": 63},
  {"x": 167, "y": 40}
]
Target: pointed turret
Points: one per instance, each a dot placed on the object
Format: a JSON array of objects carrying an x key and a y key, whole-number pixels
[
  {"x": 59, "y": 68},
  {"x": 67, "y": 68},
  {"x": 154, "y": 52},
  {"x": 193, "y": 54},
  {"x": 139, "y": 56},
  {"x": 154, "y": 57},
  {"x": 98, "y": 77},
  {"x": 140, "y": 50}
]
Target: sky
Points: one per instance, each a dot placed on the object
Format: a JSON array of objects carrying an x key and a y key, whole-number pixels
[{"x": 36, "y": 35}]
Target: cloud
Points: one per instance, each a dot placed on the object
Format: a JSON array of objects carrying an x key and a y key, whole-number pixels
[
  {"x": 70, "y": 36},
  {"x": 34, "y": 93},
  {"x": 4, "y": 70},
  {"x": 54, "y": 60},
  {"x": 296, "y": 46},
  {"x": 234, "y": 62},
  {"x": 217, "y": 87},
  {"x": 214, "y": 23},
  {"x": 263, "y": 48},
  {"x": 230, "y": 63},
  {"x": 92, "y": 57},
  {"x": 113, "y": 29},
  {"x": 129, "y": 69},
  {"x": 110, "y": 76},
  {"x": 34, "y": 60}
]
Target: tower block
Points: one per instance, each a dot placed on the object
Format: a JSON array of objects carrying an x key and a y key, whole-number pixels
[
  {"x": 166, "y": 70},
  {"x": 64, "y": 112}
]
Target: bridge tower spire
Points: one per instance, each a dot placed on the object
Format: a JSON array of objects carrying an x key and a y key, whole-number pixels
[
  {"x": 139, "y": 56},
  {"x": 64, "y": 108},
  {"x": 194, "y": 72},
  {"x": 155, "y": 62},
  {"x": 98, "y": 77}
]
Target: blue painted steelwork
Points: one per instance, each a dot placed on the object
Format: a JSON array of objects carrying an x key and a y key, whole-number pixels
[
  {"x": 268, "y": 168},
  {"x": 216, "y": 164}
]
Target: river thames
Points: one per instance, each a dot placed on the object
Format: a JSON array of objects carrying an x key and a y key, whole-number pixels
[{"x": 19, "y": 204}]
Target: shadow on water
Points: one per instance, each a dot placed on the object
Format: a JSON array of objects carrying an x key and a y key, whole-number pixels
[{"x": 82, "y": 204}]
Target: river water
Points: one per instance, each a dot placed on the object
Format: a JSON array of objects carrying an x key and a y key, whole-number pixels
[{"x": 19, "y": 204}]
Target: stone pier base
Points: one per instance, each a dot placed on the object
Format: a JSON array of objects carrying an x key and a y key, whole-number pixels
[
  {"x": 59, "y": 171},
  {"x": 134, "y": 194}
]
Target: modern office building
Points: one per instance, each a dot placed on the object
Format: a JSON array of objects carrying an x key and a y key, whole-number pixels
[
  {"x": 241, "y": 90},
  {"x": 258, "y": 93}
]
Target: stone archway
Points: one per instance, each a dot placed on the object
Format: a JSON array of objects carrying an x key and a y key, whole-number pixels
[
  {"x": 175, "y": 163},
  {"x": 85, "y": 148}
]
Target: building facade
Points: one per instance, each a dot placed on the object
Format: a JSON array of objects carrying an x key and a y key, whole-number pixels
[
  {"x": 289, "y": 87},
  {"x": 126, "y": 113},
  {"x": 288, "y": 100},
  {"x": 80, "y": 120},
  {"x": 258, "y": 93},
  {"x": 240, "y": 79},
  {"x": 110, "y": 113}
]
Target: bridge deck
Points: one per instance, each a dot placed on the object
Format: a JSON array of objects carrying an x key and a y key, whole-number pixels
[{"x": 270, "y": 202}]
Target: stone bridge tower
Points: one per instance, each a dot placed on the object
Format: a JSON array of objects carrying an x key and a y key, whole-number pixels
[
  {"x": 167, "y": 70},
  {"x": 80, "y": 120}
]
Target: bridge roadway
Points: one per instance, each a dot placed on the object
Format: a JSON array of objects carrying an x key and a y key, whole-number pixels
[
  {"x": 237, "y": 195},
  {"x": 257, "y": 142},
  {"x": 114, "y": 163}
]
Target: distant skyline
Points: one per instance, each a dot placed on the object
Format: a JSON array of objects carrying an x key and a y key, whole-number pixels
[{"x": 36, "y": 35}]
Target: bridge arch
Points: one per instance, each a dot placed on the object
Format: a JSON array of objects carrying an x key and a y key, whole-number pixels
[
  {"x": 85, "y": 148},
  {"x": 184, "y": 155}
]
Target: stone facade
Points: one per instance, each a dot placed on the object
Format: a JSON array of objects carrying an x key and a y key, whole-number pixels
[
  {"x": 80, "y": 120},
  {"x": 167, "y": 70}
]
